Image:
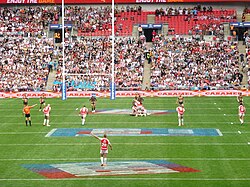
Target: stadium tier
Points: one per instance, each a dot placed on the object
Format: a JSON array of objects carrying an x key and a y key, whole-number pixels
[{"x": 180, "y": 58}]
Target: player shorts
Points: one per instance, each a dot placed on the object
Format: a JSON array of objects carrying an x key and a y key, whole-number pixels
[
  {"x": 104, "y": 151},
  {"x": 83, "y": 116},
  {"x": 46, "y": 116},
  {"x": 180, "y": 115},
  {"x": 241, "y": 114},
  {"x": 42, "y": 102},
  {"x": 27, "y": 115}
]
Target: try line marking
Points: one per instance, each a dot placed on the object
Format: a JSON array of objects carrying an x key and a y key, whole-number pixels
[
  {"x": 115, "y": 159},
  {"x": 135, "y": 122},
  {"x": 133, "y": 179}
]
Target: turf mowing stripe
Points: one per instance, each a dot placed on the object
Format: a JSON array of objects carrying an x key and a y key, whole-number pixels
[
  {"x": 114, "y": 159},
  {"x": 132, "y": 179},
  {"x": 174, "y": 144}
]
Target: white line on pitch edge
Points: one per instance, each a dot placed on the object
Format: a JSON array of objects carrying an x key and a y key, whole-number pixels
[
  {"x": 123, "y": 159},
  {"x": 131, "y": 179},
  {"x": 122, "y": 143}
]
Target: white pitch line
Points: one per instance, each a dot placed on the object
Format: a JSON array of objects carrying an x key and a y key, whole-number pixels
[
  {"x": 124, "y": 159},
  {"x": 50, "y": 133},
  {"x": 108, "y": 107},
  {"x": 132, "y": 122},
  {"x": 113, "y": 115},
  {"x": 131, "y": 179},
  {"x": 219, "y": 132},
  {"x": 9, "y": 133},
  {"x": 156, "y": 143}
]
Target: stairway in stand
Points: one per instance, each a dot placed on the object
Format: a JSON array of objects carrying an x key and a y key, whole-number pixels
[
  {"x": 243, "y": 69},
  {"x": 51, "y": 78},
  {"x": 147, "y": 71}
]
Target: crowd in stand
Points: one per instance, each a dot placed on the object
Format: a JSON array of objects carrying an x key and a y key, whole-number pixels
[
  {"x": 89, "y": 19},
  {"x": 216, "y": 29},
  {"x": 181, "y": 63},
  {"x": 24, "y": 63},
  {"x": 90, "y": 58},
  {"x": 247, "y": 42},
  {"x": 27, "y": 21},
  {"x": 28, "y": 55},
  {"x": 196, "y": 12},
  {"x": 129, "y": 63}
]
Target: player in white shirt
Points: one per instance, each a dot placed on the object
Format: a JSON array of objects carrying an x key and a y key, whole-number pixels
[
  {"x": 180, "y": 110},
  {"x": 242, "y": 111},
  {"x": 83, "y": 113},
  {"x": 46, "y": 112},
  {"x": 105, "y": 143}
]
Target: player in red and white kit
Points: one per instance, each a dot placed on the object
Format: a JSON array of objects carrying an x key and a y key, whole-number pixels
[
  {"x": 83, "y": 113},
  {"x": 242, "y": 111},
  {"x": 105, "y": 143},
  {"x": 180, "y": 109},
  {"x": 46, "y": 112}
]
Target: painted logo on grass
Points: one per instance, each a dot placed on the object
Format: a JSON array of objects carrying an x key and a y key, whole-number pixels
[
  {"x": 90, "y": 169},
  {"x": 59, "y": 132},
  {"x": 129, "y": 111}
]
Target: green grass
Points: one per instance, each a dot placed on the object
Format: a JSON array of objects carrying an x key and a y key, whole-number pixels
[{"x": 222, "y": 161}]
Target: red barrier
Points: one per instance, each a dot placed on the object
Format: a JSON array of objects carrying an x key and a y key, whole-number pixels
[{"x": 172, "y": 93}]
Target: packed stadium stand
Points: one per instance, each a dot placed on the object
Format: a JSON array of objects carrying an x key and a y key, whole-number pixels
[{"x": 196, "y": 52}]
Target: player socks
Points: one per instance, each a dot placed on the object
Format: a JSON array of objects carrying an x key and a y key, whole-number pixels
[
  {"x": 26, "y": 122},
  {"x": 30, "y": 123},
  {"x": 83, "y": 121},
  {"x": 102, "y": 160},
  {"x": 105, "y": 161},
  {"x": 44, "y": 122},
  {"x": 47, "y": 122}
]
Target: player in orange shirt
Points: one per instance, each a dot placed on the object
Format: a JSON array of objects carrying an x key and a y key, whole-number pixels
[{"x": 26, "y": 112}]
